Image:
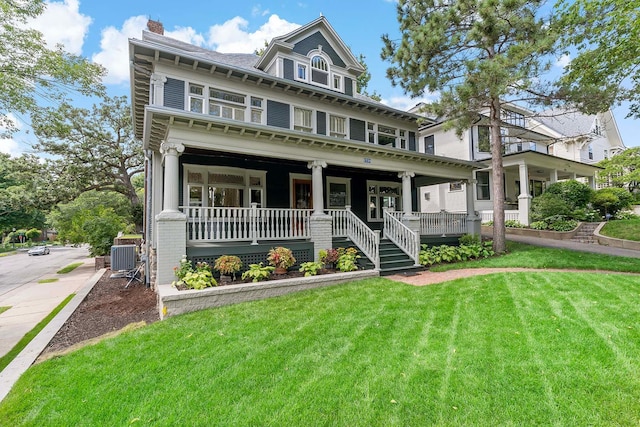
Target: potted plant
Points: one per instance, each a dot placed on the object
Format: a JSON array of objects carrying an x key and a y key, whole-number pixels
[
  {"x": 281, "y": 258},
  {"x": 228, "y": 265}
]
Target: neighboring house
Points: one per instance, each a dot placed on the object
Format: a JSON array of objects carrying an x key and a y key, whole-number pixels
[
  {"x": 530, "y": 164},
  {"x": 247, "y": 152}
]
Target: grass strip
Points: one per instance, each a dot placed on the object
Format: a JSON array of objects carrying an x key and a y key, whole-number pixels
[
  {"x": 69, "y": 268},
  {"x": 4, "y": 308},
  {"x": 628, "y": 229},
  {"x": 15, "y": 351},
  {"x": 50, "y": 280}
]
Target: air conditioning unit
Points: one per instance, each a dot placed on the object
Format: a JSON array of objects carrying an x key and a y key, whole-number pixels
[{"x": 123, "y": 257}]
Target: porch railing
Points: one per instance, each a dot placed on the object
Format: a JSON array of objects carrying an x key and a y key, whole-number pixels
[
  {"x": 346, "y": 223},
  {"x": 438, "y": 223},
  {"x": 509, "y": 215},
  {"x": 246, "y": 224},
  {"x": 407, "y": 240}
]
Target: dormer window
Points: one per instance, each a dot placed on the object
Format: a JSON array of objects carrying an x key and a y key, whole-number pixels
[
  {"x": 302, "y": 72},
  {"x": 319, "y": 70}
]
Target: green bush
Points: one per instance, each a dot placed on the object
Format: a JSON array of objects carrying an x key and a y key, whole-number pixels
[
  {"x": 512, "y": 223},
  {"x": 311, "y": 268},
  {"x": 575, "y": 194},
  {"x": 566, "y": 225},
  {"x": 33, "y": 234},
  {"x": 626, "y": 215},
  {"x": 447, "y": 254},
  {"x": 258, "y": 272},
  {"x": 469, "y": 239},
  {"x": 611, "y": 200},
  {"x": 549, "y": 204},
  {"x": 539, "y": 225},
  {"x": 198, "y": 278},
  {"x": 347, "y": 259}
]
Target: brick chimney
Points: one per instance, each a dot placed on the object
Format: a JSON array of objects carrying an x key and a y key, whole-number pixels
[{"x": 155, "y": 27}]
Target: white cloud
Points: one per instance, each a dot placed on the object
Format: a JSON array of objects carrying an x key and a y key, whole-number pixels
[
  {"x": 232, "y": 36},
  {"x": 62, "y": 23},
  {"x": 258, "y": 11},
  {"x": 405, "y": 103},
  {"x": 187, "y": 35},
  {"x": 563, "y": 61}
]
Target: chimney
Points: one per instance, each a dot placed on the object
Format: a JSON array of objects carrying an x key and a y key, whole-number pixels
[{"x": 155, "y": 27}]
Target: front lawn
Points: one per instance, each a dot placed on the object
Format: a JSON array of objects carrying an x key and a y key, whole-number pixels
[
  {"x": 628, "y": 229},
  {"x": 506, "y": 349}
]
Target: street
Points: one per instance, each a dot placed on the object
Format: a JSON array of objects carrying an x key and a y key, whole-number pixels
[{"x": 17, "y": 270}]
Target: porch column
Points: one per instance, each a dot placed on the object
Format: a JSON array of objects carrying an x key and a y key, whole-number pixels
[
  {"x": 320, "y": 224},
  {"x": 316, "y": 167},
  {"x": 473, "y": 220},
  {"x": 157, "y": 89},
  {"x": 553, "y": 176},
  {"x": 172, "y": 234},
  {"x": 408, "y": 218},
  {"x": 524, "y": 199},
  {"x": 591, "y": 182}
]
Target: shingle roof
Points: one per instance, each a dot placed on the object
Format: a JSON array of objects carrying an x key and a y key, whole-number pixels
[{"x": 567, "y": 123}]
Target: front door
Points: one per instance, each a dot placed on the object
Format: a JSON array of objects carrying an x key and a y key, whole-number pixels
[{"x": 301, "y": 197}]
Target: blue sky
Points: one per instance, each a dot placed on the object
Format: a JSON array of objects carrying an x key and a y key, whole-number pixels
[{"x": 99, "y": 30}]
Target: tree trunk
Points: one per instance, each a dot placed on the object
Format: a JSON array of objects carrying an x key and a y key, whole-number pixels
[{"x": 499, "y": 245}]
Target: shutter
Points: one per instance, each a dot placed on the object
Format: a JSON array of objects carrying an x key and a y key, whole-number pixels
[
  {"x": 357, "y": 129},
  {"x": 321, "y": 124},
  {"x": 174, "y": 93},
  {"x": 278, "y": 114},
  {"x": 288, "y": 69},
  {"x": 412, "y": 141},
  {"x": 348, "y": 86}
]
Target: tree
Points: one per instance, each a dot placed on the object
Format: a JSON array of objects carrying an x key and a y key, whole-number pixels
[
  {"x": 611, "y": 200},
  {"x": 622, "y": 170},
  {"x": 607, "y": 67},
  {"x": 363, "y": 80},
  {"x": 29, "y": 71},
  {"x": 476, "y": 53},
  {"x": 95, "y": 149}
]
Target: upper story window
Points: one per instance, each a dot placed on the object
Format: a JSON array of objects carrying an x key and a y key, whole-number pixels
[
  {"x": 513, "y": 118},
  {"x": 226, "y": 104},
  {"x": 386, "y": 135},
  {"x": 590, "y": 152},
  {"x": 337, "y": 126},
  {"x": 302, "y": 119},
  {"x": 196, "y": 98},
  {"x": 429, "y": 144},
  {"x": 484, "y": 139},
  {"x": 319, "y": 70},
  {"x": 337, "y": 82},
  {"x": 597, "y": 128},
  {"x": 301, "y": 72},
  {"x": 256, "y": 110}
]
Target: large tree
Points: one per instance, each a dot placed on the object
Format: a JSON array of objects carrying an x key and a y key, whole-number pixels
[
  {"x": 622, "y": 170},
  {"x": 95, "y": 149},
  {"x": 606, "y": 66},
  {"x": 476, "y": 54},
  {"x": 31, "y": 73}
]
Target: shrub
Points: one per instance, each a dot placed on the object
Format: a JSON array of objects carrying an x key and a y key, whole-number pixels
[
  {"x": 447, "y": 254},
  {"x": 258, "y": 272},
  {"x": 549, "y": 204},
  {"x": 198, "y": 278},
  {"x": 281, "y": 257},
  {"x": 469, "y": 239},
  {"x": 33, "y": 234},
  {"x": 626, "y": 215},
  {"x": 512, "y": 223},
  {"x": 539, "y": 225},
  {"x": 228, "y": 264},
  {"x": 311, "y": 268},
  {"x": 566, "y": 225},
  {"x": 328, "y": 256},
  {"x": 611, "y": 200},
  {"x": 347, "y": 259},
  {"x": 574, "y": 193}
]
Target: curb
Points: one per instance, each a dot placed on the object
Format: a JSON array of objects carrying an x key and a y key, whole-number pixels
[{"x": 25, "y": 359}]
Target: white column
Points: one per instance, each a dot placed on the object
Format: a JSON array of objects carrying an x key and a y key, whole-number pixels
[
  {"x": 473, "y": 220},
  {"x": 316, "y": 167},
  {"x": 553, "y": 176},
  {"x": 156, "y": 94},
  {"x": 524, "y": 199},
  {"x": 406, "y": 192},
  {"x": 591, "y": 182},
  {"x": 170, "y": 153}
]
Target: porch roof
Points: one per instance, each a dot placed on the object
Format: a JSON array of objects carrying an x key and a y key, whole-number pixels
[{"x": 546, "y": 162}]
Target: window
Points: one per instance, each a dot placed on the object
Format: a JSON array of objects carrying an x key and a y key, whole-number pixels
[
  {"x": 337, "y": 82},
  {"x": 513, "y": 118},
  {"x": 319, "y": 70},
  {"x": 386, "y": 135},
  {"x": 302, "y": 120},
  {"x": 455, "y": 186},
  {"x": 371, "y": 130},
  {"x": 338, "y": 192},
  {"x": 225, "y": 187},
  {"x": 484, "y": 139},
  {"x": 590, "y": 152},
  {"x": 403, "y": 140},
  {"x": 302, "y": 72},
  {"x": 482, "y": 185},
  {"x": 196, "y": 98},
  {"x": 597, "y": 129},
  {"x": 429, "y": 144},
  {"x": 256, "y": 110},
  {"x": 382, "y": 195},
  {"x": 536, "y": 188},
  {"x": 337, "y": 126},
  {"x": 227, "y": 105}
]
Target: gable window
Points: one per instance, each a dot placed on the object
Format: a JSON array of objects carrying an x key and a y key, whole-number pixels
[
  {"x": 196, "y": 98},
  {"x": 513, "y": 118},
  {"x": 319, "y": 70},
  {"x": 382, "y": 195},
  {"x": 227, "y": 105},
  {"x": 484, "y": 139},
  {"x": 337, "y": 82},
  {"x": 302, "y": 119},
  {"x": 429, "y": 144},
  {"x": 337, "y": 126},
  {"x": 301, "y": 72},
  {"x": 482, "y": 185}
]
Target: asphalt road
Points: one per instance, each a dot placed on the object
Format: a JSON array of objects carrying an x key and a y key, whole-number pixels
[{"x": 17, "y": 270}]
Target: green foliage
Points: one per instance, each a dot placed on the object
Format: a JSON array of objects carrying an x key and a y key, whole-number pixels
[
  {"x": 347, "y": 259},
  {"x": 281, "y": 257},
  {"x": 611, "y": 200},
  {"x": 228, "y": 264},
  {"x": 311, "y": 268},
  {"x": 566, "y": 225},
  {"x": 512, "y": 223},
  {"x": 258, "y": 272},
  {"x": 33, "y": 234},
  {"x": 362, "y": 82},
  {"x": 624, "y": 215},
  {"x": 99, "y": 228},
  {"x": 548, "y": 204},
  {"x": 622, "y": 170},
  {"x": 576, "y": 194},
  {"x": 539, "y": 225},
  {"x": 448, "y": 254},
  {"x": 469, "y": 239},
  {"x": 199, "y": 277}
]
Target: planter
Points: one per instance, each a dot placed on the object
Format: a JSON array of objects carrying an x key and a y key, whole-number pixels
[
  {"x": 487, "y": 230},
  {"x": 280, "y": 271}
]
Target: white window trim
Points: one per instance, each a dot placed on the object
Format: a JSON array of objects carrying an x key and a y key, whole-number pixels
[
  {"x": 206, "y": 170},
  {"x": 345, "y": 135},
  {"x": 337, "y": 180},
  {"x": 341, "y": 77},
  {"x": 378, "y": 184},
  {"x": 313, "y": 127},
  {"x": 306, "y": 66},
  {"x": 293, "y": 176}
]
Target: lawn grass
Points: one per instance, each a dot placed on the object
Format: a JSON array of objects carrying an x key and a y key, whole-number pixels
[
  {"x": 628, "y": 229},
  {"x": 69, "y": 268},
  {"x": 535, "y": 348},
  {"x": 523, "y": 255},
  {"x": 4, "y": 308},
  {"x": 15, "y": 351},
  {"x": 50, "y": 280}
]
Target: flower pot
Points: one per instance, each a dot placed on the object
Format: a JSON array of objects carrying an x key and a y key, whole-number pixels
[{"x": 280, "y": 270}]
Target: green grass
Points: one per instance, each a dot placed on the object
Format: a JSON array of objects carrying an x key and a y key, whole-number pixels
[
  {"x": 522, "y": 255},
  {"x": 51, "y": 280},
  {"x": 69, "y": 268},
  {"x": 628, "y": 229},
  {"x": 534, "y": 348},
  {"x": 7, "y": 358},
  {"x": 4, "y": 308}
]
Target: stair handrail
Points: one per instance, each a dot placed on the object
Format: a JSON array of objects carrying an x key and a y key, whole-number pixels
[
  {"x": 406, "y": 239},
  {"x": 366, "y": 239}
]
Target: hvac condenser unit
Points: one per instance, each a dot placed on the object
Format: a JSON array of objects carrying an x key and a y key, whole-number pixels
[{"x": 123, "y": 257}]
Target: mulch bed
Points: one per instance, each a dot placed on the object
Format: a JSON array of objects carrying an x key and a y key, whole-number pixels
[{"x": 107, "y": 308}]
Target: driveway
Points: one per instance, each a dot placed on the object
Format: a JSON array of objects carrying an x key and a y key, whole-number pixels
[{"x": 17, "y": 270}]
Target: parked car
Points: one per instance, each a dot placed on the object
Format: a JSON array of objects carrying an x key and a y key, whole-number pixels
[{"x": 38, "y": 250}]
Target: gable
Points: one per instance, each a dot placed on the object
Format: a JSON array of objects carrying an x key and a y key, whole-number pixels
[{"x": 306, "y": 45}]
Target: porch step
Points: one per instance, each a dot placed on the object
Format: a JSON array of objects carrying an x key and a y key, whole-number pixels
[
  {"x": 392, "y": 259},
  {"x": 585, "y": 233}
]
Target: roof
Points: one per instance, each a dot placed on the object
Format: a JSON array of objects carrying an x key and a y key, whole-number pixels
[{"x": 568, "y": 123}]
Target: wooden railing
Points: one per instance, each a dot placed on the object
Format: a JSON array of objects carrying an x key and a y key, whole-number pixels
[
  {"x": 346, "y": 223},
  {"x": 438, "y": 223},
  {"x": 246, "y": 224},
  {"x": 509, "y": 215},
  {"x": 406, "y": 239}
]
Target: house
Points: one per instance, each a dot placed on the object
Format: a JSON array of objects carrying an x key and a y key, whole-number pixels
[
  {"x": 247, "y": 152},
  {"x": 536, "y": 154}
]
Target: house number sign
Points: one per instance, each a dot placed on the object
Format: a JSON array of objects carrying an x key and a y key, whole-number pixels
[{"x": 367, "y": 160}]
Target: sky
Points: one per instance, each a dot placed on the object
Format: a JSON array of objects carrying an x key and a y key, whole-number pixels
[{"x": 99, "y": 30}]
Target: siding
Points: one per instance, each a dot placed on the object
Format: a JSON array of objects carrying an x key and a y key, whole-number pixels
[
  {"x": 288, "y": 69},
  {"x": 357, "y": 129},
  {"x": 412, "y": 141},
  {"x": 321, "y": 124},
  {"x": 174, "y": 93},
  {"x": 278, "y": 114},
  {"x": 348, "y": 86},
  {"x": 310, "y": 43}
]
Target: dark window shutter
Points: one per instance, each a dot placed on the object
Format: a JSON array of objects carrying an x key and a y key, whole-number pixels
[
  {"x": 288, "y": 69},
  {"x": 412, "y": 141},
  {"x": 429, "y": 144},
  {"x": 357, "y": 129},
  {"x": 321, "y": 124},
  {"x": 278, "y": 114},
  {"x": 348, "y": 86},
  {"x": 174, "y": 93}
]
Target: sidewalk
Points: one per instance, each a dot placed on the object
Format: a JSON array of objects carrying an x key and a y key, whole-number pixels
[{"x": 30, "y": 304}]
